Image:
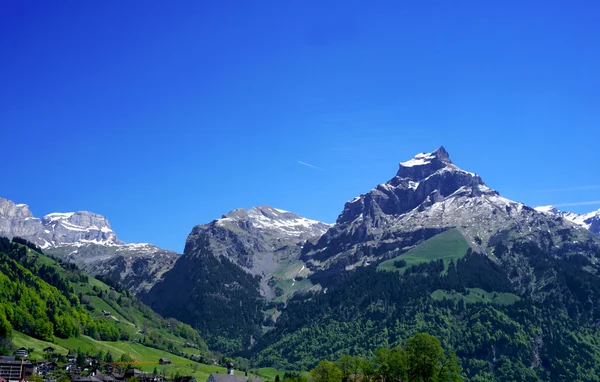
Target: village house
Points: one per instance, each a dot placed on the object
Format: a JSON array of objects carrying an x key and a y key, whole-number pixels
[
  {"x": 72, "y": 369},
  {"x": 89, "y": 378},
  {"x": 44, "y": 367},
  {"x": 164, "y": 361},
  {"x": 104, "y": 377},
  {"x": 22, "y": 353}
]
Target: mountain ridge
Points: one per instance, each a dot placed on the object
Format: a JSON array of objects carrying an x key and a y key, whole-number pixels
[
  {"x": 87, "y": 239},
  {"x": 589, "y": 221}
]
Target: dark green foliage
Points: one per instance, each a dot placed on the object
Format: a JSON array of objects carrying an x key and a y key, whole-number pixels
[
  {"x": 214, "y": 296},
  {"x": 27, "y": 243},
  {"x": 421, "y": 359}
]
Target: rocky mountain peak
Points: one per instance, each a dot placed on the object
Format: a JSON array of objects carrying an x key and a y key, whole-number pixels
[
  {"x": 267, "y": 218},
  {"x": 80, "y": 226},
  {"x": 424, "y": 164},
  {"x": 421, "y": 181}
]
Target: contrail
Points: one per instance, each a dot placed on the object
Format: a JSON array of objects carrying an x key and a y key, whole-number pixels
[
  {"x": 311, "y": 166},
  {"x": 591, "y": 202}
]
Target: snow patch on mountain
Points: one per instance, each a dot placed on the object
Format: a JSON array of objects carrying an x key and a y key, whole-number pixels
[
  {"x": 419, "y": 160},
  {"x": 272, "y": 219}
]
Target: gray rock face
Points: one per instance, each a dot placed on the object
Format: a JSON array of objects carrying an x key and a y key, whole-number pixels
[
  {"x": 262, "y": 240},
  {"x": 86, "y": 239},
  {"x": 17, "y": 220}
]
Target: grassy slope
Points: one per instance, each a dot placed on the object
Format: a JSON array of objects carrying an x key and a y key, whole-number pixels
[
  {"x": 130, "y": 318},
  {"x": 448, "y": 245},
  {"x": 22, "y": 340},
  {"x": 477, "y": 295}
]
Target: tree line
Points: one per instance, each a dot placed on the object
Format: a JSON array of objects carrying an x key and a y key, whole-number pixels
[{"x": 421, "y": 359}]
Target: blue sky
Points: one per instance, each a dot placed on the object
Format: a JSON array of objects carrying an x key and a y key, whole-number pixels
[{"x": 163, "y": 115}]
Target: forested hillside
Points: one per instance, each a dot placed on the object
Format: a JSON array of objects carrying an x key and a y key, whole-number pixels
[
  {"x": 46, "y": 298},
  {"x": 472, "y": 307}
]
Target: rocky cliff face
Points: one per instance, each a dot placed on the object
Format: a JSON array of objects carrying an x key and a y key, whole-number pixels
[
  {"x": 78, "y": 227},
  {"x": 86, "y": 239},
  {"x": 17, "y": 220},
  {"x": 258, "y": 239},
  {"x": 264, "y": 241}
]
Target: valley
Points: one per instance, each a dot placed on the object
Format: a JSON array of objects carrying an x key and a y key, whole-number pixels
[{"x": 434, "y": 250}]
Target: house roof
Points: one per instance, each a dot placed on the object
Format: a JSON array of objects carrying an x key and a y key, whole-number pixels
[
  {"x": 86, "y": 379},
  {"x": 229, "y": 378},
  {"x": 6, "y": 361},
  {"x": 104, "y": 377}
]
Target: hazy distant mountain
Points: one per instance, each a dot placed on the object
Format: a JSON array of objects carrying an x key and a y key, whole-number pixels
[{"x": 86, "y": 239}]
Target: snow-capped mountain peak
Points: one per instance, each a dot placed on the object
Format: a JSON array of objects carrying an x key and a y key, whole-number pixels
[
  {"x": 429, "y": 192},
  {"x": 422, "y": 159}
]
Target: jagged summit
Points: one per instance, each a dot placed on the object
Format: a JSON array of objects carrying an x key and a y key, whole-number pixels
[
  {"x": 423, "y": 165},
  {"x": 429, "y": 192},
  {"x": 421, "y": 181},
  {"x": 440, "y": 155}
]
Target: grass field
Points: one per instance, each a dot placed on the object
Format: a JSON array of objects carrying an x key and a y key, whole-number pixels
[
  {"x": 38, "y": 346},
  {"x": 448, "y": 245},
  {"x": 477, "y": 295}
]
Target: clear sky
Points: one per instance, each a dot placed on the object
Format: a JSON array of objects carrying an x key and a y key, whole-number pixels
[{"x": 163, "y": 115}]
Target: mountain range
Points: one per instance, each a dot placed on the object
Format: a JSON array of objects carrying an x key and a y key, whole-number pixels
[
  {"x": 86, "y": 239},
  {"x": 434, "y": 249}
]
